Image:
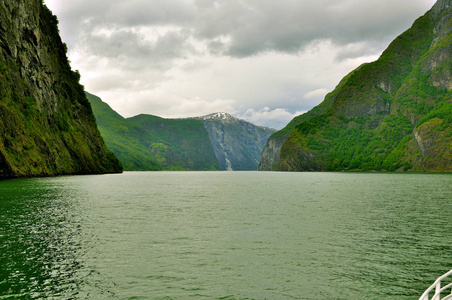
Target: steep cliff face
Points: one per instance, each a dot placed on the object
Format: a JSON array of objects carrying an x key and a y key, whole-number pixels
[
  {"x": 46, "y": 123},
  {"x": 237, "y": 144},
  {"x": 270, "y": 153},
  {"x": 272, "y": 150},
  {"x": 392, "y": 114}
]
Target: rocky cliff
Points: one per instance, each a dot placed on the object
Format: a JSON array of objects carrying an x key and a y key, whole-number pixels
[
  {"x": 46, "y": 123},
  {"x": 237, "y": 144},
  {"x": 392, "y": 114},
  {"x": 272, "y": 149}
]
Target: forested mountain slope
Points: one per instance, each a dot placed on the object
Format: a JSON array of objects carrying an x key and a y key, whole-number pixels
[
  {"x": 125, "y": 138},
  {"x": 150, "y": 143},
  {"x": 392, "y": 114},
  {"x": 214, "y": 142},
  {"x": 178, "y": 144}
]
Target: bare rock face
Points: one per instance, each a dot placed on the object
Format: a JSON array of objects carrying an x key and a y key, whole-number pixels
[
  {"x": 438, "y": 64},
  {"x": 432, "y": 147},
  {"x": 46, "y": 125},
  {"x": 440, "y": 7},
  {"x": 237, "y": 144},
  {"x": 270, "y": 154}
]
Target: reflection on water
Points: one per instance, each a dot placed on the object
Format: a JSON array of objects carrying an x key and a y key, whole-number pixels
[
  {"x": 40, "y": 239},
  {"x": 224, "y": 235}
]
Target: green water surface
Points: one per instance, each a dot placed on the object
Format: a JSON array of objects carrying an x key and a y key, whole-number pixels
[{"x": 225, "y": 235}]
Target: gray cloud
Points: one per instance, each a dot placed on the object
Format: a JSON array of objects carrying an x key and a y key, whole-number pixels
[
  {"x": 131, "y": 50},
  {"x": 290, "y": 25},
  {"x": 150, "y": 12},
  {"x": 255, "y": 58},
  {"x": 252, "y": 26}
]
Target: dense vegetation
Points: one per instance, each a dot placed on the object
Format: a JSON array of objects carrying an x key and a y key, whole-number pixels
[
  {"x": 271, "y": 152},
  {"x": 124, "y": 138},
  {"x": 215, "y": 142},
  {"x": 178, "y": 144},
  {"x": 151, "y": 143},
  {"x": 46, "y": 123},
  {"x": 392, "y": 114}
]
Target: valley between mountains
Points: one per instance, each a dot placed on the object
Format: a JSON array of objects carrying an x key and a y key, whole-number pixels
[
  {"x": 218, "y": 141},
  {"x": 394, "y": 114}
]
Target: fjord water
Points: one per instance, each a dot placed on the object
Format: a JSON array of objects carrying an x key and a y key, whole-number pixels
[{"x": 224, "y": 235}]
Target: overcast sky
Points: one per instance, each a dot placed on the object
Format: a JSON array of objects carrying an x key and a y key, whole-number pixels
[{"x": 265, "y": 61}]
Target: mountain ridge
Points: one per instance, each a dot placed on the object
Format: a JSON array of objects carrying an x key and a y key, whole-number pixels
[
  {"x": 237, "y": 143},
  {"x": 226, "y": 116},
  {"x": 198, "y": 143},
  {"x": 178, "y": 144},
  {"x": 391, "y": 114}
]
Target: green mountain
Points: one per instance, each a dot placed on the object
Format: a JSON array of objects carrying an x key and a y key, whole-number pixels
[
  {"x": 179, "y": 144},
  {"x": 46, "y": 123},
  {"x": 150, "y": 143},
  {"x": 392, "y": 114},
  {"x": 126, "y": 139},
  {"x": 215, "y": 142}
]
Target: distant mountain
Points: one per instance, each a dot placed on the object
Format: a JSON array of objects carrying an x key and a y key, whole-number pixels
[
  {"x": 178, "y": 144},
  {"x": 47, "y": 126},
  {"x": 237, "y": 144},
  {"x": 392, "y": 114},
  {"x": 125, "y": 138},
  {"x": 214, "y": 142},
  {"x": 150, "y": 143}
]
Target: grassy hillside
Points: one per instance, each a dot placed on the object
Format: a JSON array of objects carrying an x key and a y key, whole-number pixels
[
  {"x": 150, "y": 143},
  {"x": 272, "y": 149},
  {"x": 180, "y": 144},
  {"x": 125, "y": 138}
]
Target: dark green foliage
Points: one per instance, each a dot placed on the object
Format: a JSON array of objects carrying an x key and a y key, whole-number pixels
[
  {"x": 43, "y": 133},
  {"x": 62, "y": 122},
  {"x": 52, "y": 19},
  {"x": 151, "y": 143},
  {"x": 358, "y": 147},
  {"x": 443, "y": 112},
  {"x": 351, "y": 144},
  {"x": 178, "y": 143},
  {"x": 314, "y": 124},
  {"x": 30, "y": 107},
  {"x": 123, "y": 137}
]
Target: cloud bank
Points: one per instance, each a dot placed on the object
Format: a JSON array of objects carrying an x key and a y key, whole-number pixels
[{"x": 263, "y": 60}]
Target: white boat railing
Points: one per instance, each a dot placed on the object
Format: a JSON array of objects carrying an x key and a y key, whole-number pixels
[{"x": 439, "y": 287}]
